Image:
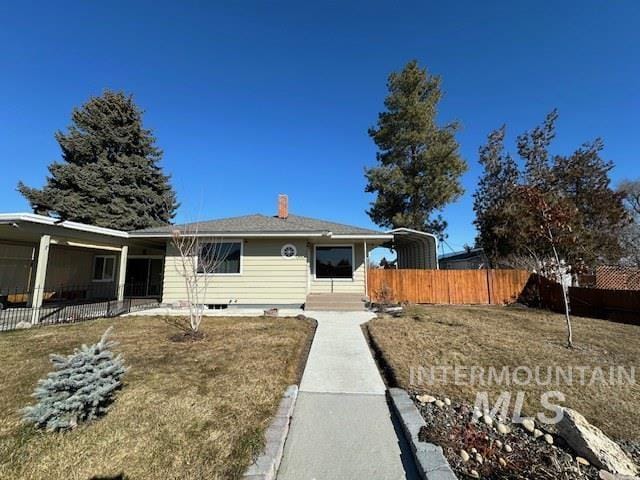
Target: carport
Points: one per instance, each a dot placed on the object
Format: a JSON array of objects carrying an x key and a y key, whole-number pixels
[
  {"x": 44, "y": 260},
  {"x": 414, "y": 249}
]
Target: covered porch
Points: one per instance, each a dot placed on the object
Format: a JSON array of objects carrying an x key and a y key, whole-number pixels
[{"x": 46, "y": 265}]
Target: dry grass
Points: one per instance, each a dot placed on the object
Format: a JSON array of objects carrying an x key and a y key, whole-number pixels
[
  {"x": 510, "y": 336},
  {"x": 187, "y": 410}
]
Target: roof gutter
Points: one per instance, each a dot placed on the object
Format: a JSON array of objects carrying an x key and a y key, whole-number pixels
[
  {"x": 10, "y": 218},
  {"x": 266, "y": 235}
]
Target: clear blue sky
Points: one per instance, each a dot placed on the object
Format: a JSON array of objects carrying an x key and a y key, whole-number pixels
[{"x": 249, "y": 99}]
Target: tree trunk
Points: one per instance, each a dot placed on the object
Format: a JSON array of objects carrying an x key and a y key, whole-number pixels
[{"x": 564, "y": 298}]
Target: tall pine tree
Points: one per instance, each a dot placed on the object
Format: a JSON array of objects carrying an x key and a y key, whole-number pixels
[
  {"x": 110, "y": 174},
  {"x": 419, "y": 165}
]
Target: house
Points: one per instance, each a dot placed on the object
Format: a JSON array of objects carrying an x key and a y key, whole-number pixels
[
  {"x": 468, "y": 259},
  {"x": 283, "y": 260}
]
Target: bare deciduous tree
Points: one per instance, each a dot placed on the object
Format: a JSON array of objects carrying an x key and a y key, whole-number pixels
[
  {"x": 550, "y": 224},
  {"x": 199, "y": 258}
]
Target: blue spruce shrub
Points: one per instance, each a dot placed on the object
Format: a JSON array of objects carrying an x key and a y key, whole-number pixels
[{"x": 80, "y": 389}]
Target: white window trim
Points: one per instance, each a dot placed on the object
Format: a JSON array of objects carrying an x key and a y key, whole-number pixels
[
  {"x": 241, "y": 242},
  {"x": 353, "y": 262},
  {"x": 104, "y": 263}
]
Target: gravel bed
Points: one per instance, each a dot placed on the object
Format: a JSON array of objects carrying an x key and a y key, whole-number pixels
[{"x": 515, "y": 454}]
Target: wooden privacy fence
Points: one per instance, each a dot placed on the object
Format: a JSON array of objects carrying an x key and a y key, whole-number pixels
[
  {"x": 480, "y": 287},
  {"x": 615, "y": 305}
]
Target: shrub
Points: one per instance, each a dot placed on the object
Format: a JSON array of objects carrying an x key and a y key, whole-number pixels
[{"x": 80, "y": 389}]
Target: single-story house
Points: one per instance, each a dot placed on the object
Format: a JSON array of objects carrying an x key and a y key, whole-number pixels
[
  {"x": 468, "y": 259},
  {"x": 281, "y": 260}
]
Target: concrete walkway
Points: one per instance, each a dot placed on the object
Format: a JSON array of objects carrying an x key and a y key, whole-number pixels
[{"x": 341, "y": 426}]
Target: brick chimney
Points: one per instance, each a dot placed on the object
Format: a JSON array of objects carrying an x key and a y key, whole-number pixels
[{"x": 283, "y": 206}]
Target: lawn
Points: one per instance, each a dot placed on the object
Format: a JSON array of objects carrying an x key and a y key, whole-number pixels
[
  {"x": 486, "y": 337},
  {"x": 188, "y": 410}
]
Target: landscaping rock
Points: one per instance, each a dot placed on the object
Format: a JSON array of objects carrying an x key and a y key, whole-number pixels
[
  {"x": 425, "y": 398},
  {"x": 439, "y": 403},
  {"x": 487, "y": 420},
  {"x": 548, "y": 438},
  {"x": 22, "y": 325},
  {"x": 604, "y": 475},
  {"x": 592, "y": 444},
  {"x": 502, "y": 428},
  {"x": 529, "y": 425},
  {"x": 474, "y": 474},
  {"x": 447, "y": 401},
  {"x": 523, "y": 457},
  {"x": 537, "y": 433},
  {"x": 582, "y": 461},
  {"x": 464, "y": 456}
]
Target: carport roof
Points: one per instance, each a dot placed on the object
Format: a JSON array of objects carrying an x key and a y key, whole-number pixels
[{"x": 16, "y": 218}]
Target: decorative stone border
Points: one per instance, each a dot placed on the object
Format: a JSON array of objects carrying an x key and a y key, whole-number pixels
[
  {"x": 430, "y": 461},
  {"x": 266, "y": 465}
]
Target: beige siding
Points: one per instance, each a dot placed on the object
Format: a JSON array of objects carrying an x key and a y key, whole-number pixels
[
  {"x": 71, "y": 269},
  {"x": 266, "y": 277},
  {"x": 356, "y": 285},
  {"x": 16, "y": 262}
]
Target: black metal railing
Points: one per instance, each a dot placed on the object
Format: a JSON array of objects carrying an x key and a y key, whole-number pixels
[
  {"x": 143, "y": 289},
  {"x": 55, "y": 294},
  {"x": 14, "y": 318},
  {"x": 70, "y": 303}
]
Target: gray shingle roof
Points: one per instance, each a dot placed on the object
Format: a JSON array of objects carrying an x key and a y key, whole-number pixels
[{"x": 264, "y": 224}]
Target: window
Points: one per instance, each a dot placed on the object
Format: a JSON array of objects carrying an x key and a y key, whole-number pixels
[
  {"x": 334, "y": 262},
  {"x": 288, "y": 251},
  {"x": 220, "y": 258},
  {"x": 104, "y": 268}
]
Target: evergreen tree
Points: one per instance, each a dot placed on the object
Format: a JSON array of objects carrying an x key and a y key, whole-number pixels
[
  {"x": 493, "y": 201},
  {"x": 419, "y": 166},
  {"x": 578, "y": 183},
  {"x": 533, "y": 148},
  {"x": 583, "y": 178},
  {"x": 80, "y": 389},
  {"x": 110, "y": 174}
]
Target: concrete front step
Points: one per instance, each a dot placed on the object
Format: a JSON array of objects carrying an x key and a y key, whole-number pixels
[
  {"x": 335, "y": 308},
  {"x": 335, "y": 302}
]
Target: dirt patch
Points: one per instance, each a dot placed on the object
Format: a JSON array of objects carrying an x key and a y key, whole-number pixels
[{"x": 187, "y": 337}]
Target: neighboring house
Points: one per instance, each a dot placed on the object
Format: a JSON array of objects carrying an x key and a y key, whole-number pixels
[
  {"x": 280, "y": 260},
  {"x": 468, "y": 259}
]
